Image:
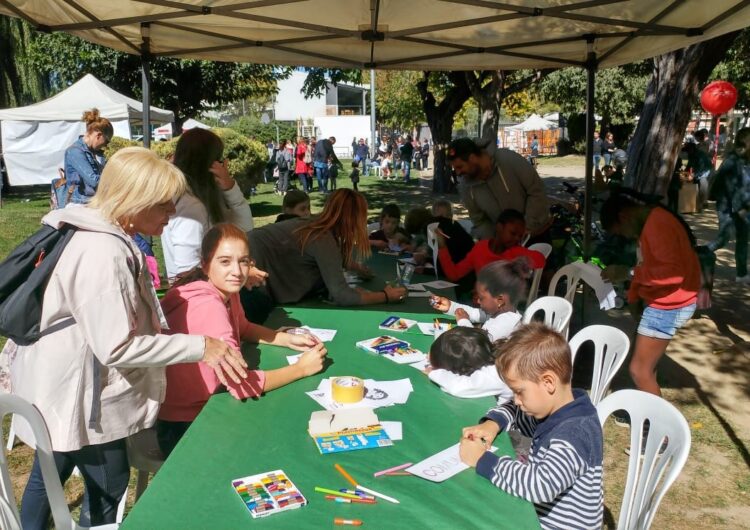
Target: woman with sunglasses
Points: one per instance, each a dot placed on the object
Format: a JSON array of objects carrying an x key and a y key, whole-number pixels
[{"x": 84, "y": 160}]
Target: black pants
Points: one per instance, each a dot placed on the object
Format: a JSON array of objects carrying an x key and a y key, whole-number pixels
[{"x": 168, "y": 433}]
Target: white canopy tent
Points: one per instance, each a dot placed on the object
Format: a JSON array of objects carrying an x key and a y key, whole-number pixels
[
  {"x": 369, "y": 34},
  {"x": 193, "y": 124},
  {"x": 534, "y": 123},
  {"x": 34, "y": 138}
]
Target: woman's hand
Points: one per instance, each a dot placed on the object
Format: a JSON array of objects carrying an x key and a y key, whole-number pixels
[
  {"x": 440, "y": 303},
  {"x": 311, "y": 361},
  {"x": 221, "y": 174},
  {"x": 255, "y": 277},
  {"x": 395, "y": 294},
  {"x": 461, "y": 314},
  {"x": 301, "y": 342},
  {"x": 225, "y": 361}
]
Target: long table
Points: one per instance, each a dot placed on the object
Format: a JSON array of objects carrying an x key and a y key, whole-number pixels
[{"x": 232, "y": 439}]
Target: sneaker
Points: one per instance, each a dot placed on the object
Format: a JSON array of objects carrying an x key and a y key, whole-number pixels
[
  {"x": 622, "y": 419},
  {"x": 743, "y": 279}
]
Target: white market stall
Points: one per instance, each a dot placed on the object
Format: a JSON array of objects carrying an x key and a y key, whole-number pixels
[
  {"x": 34, "y": 138},
  {"x": 518, "y": 137}
]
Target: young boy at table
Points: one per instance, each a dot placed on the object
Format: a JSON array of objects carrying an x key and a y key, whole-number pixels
[
  {"x": 506, "y": 245},
  {"x": 391, "y": 235},
  {"x": 563, "y": 475}
]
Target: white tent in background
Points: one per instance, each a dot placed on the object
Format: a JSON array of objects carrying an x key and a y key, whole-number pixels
[
  {"x": 193, "y": 124},
  {"x": 534, "y": 123},
  {"x": 34, "y": 138}
]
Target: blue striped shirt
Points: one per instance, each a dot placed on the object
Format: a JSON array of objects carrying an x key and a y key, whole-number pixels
[{"x": 563, "y": 475}]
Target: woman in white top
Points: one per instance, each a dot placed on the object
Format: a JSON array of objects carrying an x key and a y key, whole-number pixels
[
  {"x": 500, "y": 287},
  {"x": 212, "y": 197}
]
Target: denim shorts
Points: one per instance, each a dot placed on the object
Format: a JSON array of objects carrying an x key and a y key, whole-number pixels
[{"x": 664, "y": 323}]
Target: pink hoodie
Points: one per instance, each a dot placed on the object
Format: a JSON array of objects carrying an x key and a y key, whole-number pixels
[{"x": 198, "y": 309}]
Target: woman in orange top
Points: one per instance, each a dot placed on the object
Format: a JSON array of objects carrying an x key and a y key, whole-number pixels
[{"x": 665, "y": 280}]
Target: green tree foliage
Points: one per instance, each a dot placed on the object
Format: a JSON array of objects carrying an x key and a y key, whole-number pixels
[
  {"x": 318, "y": 78},
  {"x": 735, "y": 68},
  {"x": 186, "y": 87},
  {"x": 619, "y": 92},
  {"x": 398, "y": 103},
  {"x": 20, "y": 83},
  {"x": 252, "y": 127}
]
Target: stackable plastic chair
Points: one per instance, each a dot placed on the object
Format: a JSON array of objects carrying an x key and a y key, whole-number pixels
[
  {"x": 9, "y": 516},
  {"x": 651, "y": 472},
  {"x": 611, "y": 347},
  {"x": 546, "y": 250},
  {"x": 432, "y": 242},
  {"x": 557, "y": 313},
  {"x": 144, "y": 455}
]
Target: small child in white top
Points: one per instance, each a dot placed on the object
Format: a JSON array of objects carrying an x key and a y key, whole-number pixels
[
  {"x": 500, "y": 286},
  {"x": 462, "y": 363}
]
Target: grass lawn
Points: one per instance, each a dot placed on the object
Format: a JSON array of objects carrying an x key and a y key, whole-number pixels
[{"x": 713, "y": 490}]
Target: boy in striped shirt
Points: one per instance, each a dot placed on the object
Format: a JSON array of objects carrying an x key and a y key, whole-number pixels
[{"x": 563, "y": 475}]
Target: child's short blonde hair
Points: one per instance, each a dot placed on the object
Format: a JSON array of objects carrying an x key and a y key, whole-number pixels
[{"x": 532, "y": 350}]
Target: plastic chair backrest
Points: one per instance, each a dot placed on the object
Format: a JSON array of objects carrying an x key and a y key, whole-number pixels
[
  {"x": 525, "y": 239},
  {"x": 557, "y": 312},
  {"x": 372, "y": 227},
  {"x": 11, "y": 404},
  {"x": 650, "y": 475},
  {"x": 546, "y": 250},
  {"x": 433, "y": 244},
  {"x": 572, "y": 275},
  {"x": 611, "y": 347}
]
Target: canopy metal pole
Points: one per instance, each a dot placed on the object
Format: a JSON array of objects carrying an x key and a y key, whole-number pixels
[
  {"x": 373, "y": 147},
  {"x": 590, "y": 87},
  {"x": 146, "y": 82}
]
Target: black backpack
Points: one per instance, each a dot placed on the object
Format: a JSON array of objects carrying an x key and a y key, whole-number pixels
[{"x": 23, "y": 278}]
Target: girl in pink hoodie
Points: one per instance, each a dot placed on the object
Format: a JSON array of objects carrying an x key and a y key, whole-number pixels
[{"x": 206, "y": 301}]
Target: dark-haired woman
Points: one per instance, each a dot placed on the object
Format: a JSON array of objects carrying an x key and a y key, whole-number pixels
[{"x": 213, "y": 197}]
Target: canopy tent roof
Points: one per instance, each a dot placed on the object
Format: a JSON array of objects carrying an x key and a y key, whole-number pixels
[
  {"x": 86, "y": 93},
  {"x": 436, "y": 35},
  {"x": 192, "y": 124},
  {"x": 534, "y": 123}
]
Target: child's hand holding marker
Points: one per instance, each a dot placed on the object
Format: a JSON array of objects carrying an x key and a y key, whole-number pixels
[
  {"x": 311, "y": 361},
  {"x": 440, "y": 303},
  {"x": 476, "y": 440}
]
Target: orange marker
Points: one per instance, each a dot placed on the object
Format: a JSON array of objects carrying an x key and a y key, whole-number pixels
[
  {"x": 350, "y": 522},
  {"x": 346, "y": 475}
]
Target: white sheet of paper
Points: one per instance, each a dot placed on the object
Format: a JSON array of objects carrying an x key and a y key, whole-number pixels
[
  {"x": 292, "y": 359},
  {"x": 408, "y": 260},
  {"x": 421, "y": 365},
  {"x": 409, "y": 358},
  {"x": 429, "y": 328},
  {"x": 324, "y": 335},
  {"x": 439, "y": 284},
  {"x": 419, "y": 294},
  {"x": 441, "y": 466},
  {"x": 394, "y": 429},
  {"x": 415, "y": 287},
  {"x": 377, "y": 394}
]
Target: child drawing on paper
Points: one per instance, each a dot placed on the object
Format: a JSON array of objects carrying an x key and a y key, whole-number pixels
[
  {"x": 463, "y": 365},
  {"x": 500, "y": 287},
  {"x": 206, "y": 301}
]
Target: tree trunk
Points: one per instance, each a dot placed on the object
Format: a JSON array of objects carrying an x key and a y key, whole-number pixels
[
  {"x": 670, "y": 97},
  {"x": 440, "y": 119}
]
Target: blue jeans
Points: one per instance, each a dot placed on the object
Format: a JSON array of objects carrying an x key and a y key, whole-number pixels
[
  {"x": 597, "y": 159},
  {"x": 304, "y": 182},
  {"x": 321, "y": 173},
  {"x": 727, "y": 222},
  {"x": 664, "y": 323},
  {"x": 607, "y": 158},
  {"x": 105, "y": 472},
  {"x": 406, "y": 166}
]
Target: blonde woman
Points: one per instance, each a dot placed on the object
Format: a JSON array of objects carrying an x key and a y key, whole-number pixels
[
  {"x": 97, "y": 374},
  {"x": 304, "y": 257}
]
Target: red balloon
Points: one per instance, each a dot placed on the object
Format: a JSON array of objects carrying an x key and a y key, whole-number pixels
[{"x": 718, "y": 97}]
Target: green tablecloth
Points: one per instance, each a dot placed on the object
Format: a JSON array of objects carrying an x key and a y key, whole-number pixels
[{"x": 232, "y": 439}]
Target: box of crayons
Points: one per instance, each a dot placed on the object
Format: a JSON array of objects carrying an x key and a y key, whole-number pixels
[{"x": 268, "y": 493}]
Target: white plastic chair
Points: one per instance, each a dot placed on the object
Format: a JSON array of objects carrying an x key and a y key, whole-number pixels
[
  {"x": 611, "y": 347},
  {"x": 144, "y": 455},
  {"x": 372, "y": 227},
  {"x": 649, "y": 477},
  {"x": 525, "y": 239},
  {"x": 557, "y": 313},
  {"x": 432, "y": 242},
  {"x": 546, "y": 250},
  {"x": 9, "y": 517}
]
